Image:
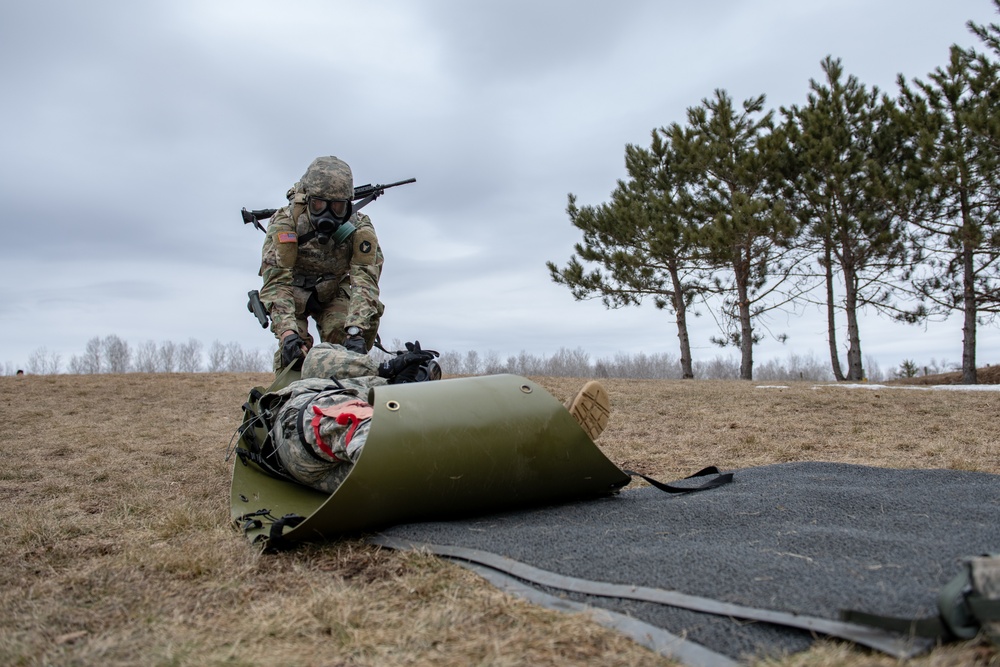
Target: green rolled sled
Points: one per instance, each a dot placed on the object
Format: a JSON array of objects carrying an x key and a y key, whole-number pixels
[{"x": 436, "y": 451}]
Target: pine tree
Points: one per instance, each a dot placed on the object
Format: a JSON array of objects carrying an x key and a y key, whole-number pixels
[
  {"x": 955, "y": 114},
  {"x": 844, "y": 183},
  {"x": 744, "y": 230},
  {"x": 641, "y": 239}
]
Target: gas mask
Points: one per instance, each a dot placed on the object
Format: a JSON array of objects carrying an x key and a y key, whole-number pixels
[{"x": 327, "y": 215}]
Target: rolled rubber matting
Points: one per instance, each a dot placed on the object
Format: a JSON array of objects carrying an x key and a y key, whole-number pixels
[{"x": 807, "y": 538}]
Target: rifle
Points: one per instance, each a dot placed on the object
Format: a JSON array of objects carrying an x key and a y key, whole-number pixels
[
  {"x": 369, "y": 193},
  {"x": 365, "y": 193},
  {"x": 259, "y": 214},
  {"x": 255, "y": 306}
]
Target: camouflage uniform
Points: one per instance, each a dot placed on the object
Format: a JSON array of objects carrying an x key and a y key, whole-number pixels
[
  {"x": 321, "y": 427},
  {"x": 335, "y": 283},
  {"x": 320, "y": 431},
  {"x": 328, "y": 360}
]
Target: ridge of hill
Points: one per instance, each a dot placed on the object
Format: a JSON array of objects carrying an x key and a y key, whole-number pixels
[{"x": 985, "y": 375}]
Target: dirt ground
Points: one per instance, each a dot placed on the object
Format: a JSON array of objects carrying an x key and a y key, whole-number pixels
[{"x": 117, "y": 549}]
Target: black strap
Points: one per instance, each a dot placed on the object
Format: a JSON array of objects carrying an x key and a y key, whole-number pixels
[
  {"x": 665, "y": 643},
  {"x": 978, "y": 609},
  {"x": 984, "y": 609},
  {"x": 259, "y": 445},
  {"x": 276, "y": 538},
  {"x": 902, "y": 647},
  {"x": 723, "y": 478},
  {"x": 310, "y": 282},
  {"x": 962, "y": 610},
  {"x": 930, "y": 627},
  {"x": 265, "y": 456}
]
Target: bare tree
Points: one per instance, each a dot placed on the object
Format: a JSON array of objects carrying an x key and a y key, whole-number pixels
[
  {"x": 92, "y": 360},
  {"x": 168, "y": 357},
  {"x": 42, "y": 363},
  {"x": 569, "y": 363},
  {"x": 189, "y": 356},
  {"x": 117, "y": 355},
  {"x": 719, "y": 368},
  {"x": 491, "y": 363},
  {"x": 239, "y": 360},
  {"x": 472, "y": 364},
  {"x": 146, "y": 359},
  {"x": 795, "y": 367},
  {"x": 874, "y": 371},
  {"x": 661, "y": 365},
  {"x": 216, "y": 357}
]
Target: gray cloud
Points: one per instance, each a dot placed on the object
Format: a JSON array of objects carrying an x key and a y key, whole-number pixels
[{"x": 134, "y": 132}]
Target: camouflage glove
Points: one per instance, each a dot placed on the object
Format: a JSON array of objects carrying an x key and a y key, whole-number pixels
[
  {"x": 405, "y": 365},
  {"x": 291, "y": 351},
  {"x": 356, "y": 344}
]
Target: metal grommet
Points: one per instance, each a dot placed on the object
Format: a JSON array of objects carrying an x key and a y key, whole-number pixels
[
  {"x": 526, "y": 389},
  {"x": 392, "y": 406}
]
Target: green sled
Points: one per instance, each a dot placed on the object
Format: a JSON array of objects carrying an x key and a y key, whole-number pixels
[{"x": 436, "y": 450}]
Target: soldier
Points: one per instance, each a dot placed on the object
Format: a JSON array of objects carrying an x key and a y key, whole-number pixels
[{"x": 321, "y": 260}]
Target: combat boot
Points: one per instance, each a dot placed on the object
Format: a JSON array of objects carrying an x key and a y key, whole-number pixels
[{"x": 591, "y": 408}]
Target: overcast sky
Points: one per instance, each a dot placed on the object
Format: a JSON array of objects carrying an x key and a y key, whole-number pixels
[{"x": 133, "y": 133}]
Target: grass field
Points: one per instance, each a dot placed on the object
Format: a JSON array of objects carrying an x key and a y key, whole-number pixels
[{"x": 116, "y": 547}]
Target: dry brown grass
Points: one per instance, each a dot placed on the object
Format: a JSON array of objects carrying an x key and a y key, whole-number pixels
[
  {"x": 987, "y": 375},
  {"x": 117, "y": 549}
]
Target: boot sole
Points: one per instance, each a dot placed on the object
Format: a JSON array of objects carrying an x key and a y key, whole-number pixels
[{"x": 592, "y": 408}]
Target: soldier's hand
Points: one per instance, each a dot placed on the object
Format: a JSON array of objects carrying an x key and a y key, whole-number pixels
[
  {"x": 293, "y": 349},
  {"x": 356, "y": 344},
  {"x": 404, "y": 366}
]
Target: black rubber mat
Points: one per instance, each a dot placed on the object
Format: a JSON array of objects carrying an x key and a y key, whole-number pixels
[{"x": 807, "y": 538}]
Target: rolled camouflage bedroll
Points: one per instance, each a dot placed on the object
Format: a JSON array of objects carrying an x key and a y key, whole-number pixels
[{"x": 436, "y": 450}]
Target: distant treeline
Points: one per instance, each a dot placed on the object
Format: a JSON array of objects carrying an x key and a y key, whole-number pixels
[
  {"x": 664, "y": 366},
  {"x": 111, "y": 354}
]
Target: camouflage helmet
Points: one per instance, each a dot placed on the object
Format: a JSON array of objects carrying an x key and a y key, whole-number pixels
[{"x": 328, "y": 178}]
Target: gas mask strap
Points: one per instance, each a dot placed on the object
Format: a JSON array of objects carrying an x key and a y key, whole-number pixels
[{"x": 341, "y": 234}]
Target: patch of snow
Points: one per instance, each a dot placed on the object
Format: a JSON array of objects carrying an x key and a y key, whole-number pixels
[
  {"x": 921, "y": 387},
  {"x": 966, "y": 387}
]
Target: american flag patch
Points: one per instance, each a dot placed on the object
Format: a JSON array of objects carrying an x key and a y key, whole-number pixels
[{"x": 287, "y": 237}]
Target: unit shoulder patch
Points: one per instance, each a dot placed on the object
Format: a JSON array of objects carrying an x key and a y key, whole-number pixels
[{"x": 365, "y": 244}]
